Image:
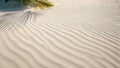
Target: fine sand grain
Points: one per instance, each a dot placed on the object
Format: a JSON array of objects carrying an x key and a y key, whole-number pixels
[{"x": 72, "y": 34}]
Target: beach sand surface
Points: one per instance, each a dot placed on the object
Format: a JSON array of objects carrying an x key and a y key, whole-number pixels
[{"x": 72, "y": 34}]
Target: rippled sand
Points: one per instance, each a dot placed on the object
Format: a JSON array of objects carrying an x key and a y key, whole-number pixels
[{"x": 73, "y": 34}]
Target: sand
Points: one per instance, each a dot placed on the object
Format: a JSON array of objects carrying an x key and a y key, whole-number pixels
[{"x": 72, "y": 34}]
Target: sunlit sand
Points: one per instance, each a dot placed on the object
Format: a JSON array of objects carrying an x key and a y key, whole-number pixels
[{"x": 72, "y": 34}]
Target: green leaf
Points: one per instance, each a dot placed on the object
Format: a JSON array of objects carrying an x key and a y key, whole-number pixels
[{"x": 35, "y": 3}]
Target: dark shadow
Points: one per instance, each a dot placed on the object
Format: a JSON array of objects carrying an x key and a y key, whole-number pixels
[{"x": 10, "y": 5}]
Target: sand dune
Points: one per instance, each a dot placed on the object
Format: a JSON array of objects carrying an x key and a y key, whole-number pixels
[{"x": 73, "y": 34}]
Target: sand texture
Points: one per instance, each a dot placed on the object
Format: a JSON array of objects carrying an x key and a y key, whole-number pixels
[{"x": 72, "y": 34}]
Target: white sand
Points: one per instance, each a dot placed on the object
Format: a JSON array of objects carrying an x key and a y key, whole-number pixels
[{"x": 73, "y": 34}]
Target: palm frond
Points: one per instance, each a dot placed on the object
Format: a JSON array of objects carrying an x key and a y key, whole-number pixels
[{"x": 35, "y": 3}]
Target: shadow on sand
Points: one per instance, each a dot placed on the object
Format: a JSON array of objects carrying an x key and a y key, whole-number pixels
[{"x": 11, "y": 5}]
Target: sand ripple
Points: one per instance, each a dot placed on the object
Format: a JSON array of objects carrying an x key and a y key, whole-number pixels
[
  {"x": 81, "y": 37},
  {"x": 44, "y": 45}
]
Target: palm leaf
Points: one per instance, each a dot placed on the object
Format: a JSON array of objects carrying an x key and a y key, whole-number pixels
[{"x": 36, "y": 3}]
